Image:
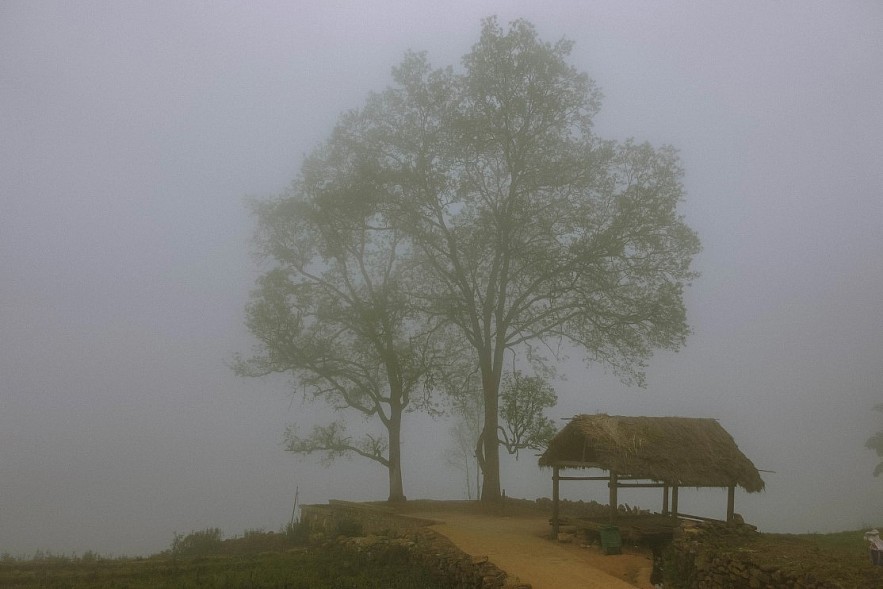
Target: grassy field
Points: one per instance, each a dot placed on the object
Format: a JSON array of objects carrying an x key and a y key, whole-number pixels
[
  {"x": 840, "y": 557},
  {"x": 260, "y": 559},
  {"x": 303, "y": 569},
  {"x": 202, "y": 560}
]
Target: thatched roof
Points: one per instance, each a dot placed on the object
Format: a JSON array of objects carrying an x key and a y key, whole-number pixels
[{"x": 683, "y": 451}]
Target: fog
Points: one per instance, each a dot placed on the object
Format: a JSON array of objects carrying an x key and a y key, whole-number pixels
[{"x": 131, "y": 134}]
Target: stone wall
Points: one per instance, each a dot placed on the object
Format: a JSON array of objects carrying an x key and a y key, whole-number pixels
[
  {"x": 382, "y": 533},
  {"x": 324, "y": 520},
  {"x": 716, "y": 556}
]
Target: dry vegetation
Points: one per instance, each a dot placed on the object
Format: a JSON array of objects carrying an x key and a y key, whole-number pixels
[
  {"x": 267, "y": 559},
  {"x": 203, "y": 560}
]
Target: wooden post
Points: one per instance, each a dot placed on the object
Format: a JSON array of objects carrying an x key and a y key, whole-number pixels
[
  {"x": 555, "y": 482},
  {"x": 614, "y": 503},
  {"x": 674, "y": 500},
  {"x": 665, "y": 500},
  {"x": 731, "y": 502}
]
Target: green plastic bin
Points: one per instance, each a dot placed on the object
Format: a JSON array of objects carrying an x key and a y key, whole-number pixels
[{"x": 611, "y": 541}]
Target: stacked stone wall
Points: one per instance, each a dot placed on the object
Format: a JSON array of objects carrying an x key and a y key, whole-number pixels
[
  {"x": 384, "y": 534},
  {"x": 714, "y": 556}
]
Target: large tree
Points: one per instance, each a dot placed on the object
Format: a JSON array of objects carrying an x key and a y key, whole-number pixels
[
  {"x": 530, "y": 230},
  {"x": 332, "y": 311},
  {"x": 524, "y": 232}
]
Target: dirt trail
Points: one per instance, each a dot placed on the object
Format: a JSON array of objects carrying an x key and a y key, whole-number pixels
[{"x": 520, "y": 546}]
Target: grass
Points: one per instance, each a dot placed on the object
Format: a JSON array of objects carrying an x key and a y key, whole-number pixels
[
  {"x": 320, "y": 569},
  {"x": 841, "y": 556},
  {"x": 851, "y": 541},
  {"x": 257, "y": 560}
]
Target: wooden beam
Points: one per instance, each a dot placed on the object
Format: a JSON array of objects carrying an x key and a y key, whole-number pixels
[
  {"x": 731, "y": 502},
  {"x": 614, "y": 503},
  {"x": 555, "y": 478},
  {"x": 700, "y": 518},
  {"x": 576, "y": 464},
  {"x": 665, "y": 500},
  {"x": 674, "y": 500}
]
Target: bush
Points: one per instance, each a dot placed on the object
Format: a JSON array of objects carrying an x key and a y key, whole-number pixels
[
  {"x": 298, "y": 532},
  {"x": 90, "y": 556},
  {"x": 199, "y": 543},
  {"x": 349, "y": 528}
]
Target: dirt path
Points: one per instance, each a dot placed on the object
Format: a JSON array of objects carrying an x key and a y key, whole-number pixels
[{"x": 520, "y": 546}]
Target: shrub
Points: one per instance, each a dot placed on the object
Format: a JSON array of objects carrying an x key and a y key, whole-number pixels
[
  {"x": 89, "y": 556},
  {"x": 297, "y": 532},
  {"x": 201, "y": 543},
  {"x": 349, "y": 528}
]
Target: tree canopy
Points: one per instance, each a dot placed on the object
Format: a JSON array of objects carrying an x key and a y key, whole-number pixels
[
  {"x": 333, "y": 312},
  {"x": 519, "y": 231},
  {"x": 523, "y": 400},
  {"x": 530, "y": 230}
]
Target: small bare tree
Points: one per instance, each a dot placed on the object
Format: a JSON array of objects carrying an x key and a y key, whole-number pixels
[
  {"x": 875, "y": 443},
  {"x": 465, "y": 436}
]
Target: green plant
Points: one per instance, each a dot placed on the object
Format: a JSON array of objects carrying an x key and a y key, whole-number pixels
[
  {"x": 201, "y": 543},
  {"x": 349, "y": 528},
  {"x": 322, "y": 568},
  {"x": 298, "y": 532}
]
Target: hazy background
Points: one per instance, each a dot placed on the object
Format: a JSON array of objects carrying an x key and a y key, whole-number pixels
[{"x": 131, "y": 133}]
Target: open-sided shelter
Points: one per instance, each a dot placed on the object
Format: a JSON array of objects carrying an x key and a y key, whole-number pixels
[{"x": 662, "y": 452}]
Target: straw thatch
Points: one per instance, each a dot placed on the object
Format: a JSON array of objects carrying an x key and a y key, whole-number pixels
[{"x": 682, "y": 451}]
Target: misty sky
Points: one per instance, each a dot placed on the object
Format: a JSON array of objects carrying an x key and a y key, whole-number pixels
[{"x": 131, "y": 134}]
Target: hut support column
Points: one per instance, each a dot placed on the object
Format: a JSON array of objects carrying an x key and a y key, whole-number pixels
[
  {"x": 614, "y": 502},
  {"x": 665, "y": 500},
  {"x": 555, "y": 483},
  {"x": 731, "y": 502},
  {"x": 674, "y": 500}
]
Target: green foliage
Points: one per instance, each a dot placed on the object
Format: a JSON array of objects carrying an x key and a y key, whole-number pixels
[
  {"x": 523, "y": 399},
  {"x": 297, "y": 532},
  {"x": 475, "y": 205},
  {"x": 849, "y": 541},
  {"x": 333, "y": 309},
  {"x": 201, "y": 543},
  {"x": 327, "y": 568},
  {"x": 527, "y": 230},
  {"x": 255, "y": 541},
  {"x": 333, "y": 442},
  {"x": 348, "y": 527}
]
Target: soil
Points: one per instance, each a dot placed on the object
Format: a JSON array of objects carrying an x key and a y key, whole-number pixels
[{"x": 515, "y": 537}]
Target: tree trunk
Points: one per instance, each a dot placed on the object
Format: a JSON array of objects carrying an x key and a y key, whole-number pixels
[
  {"x": 490, "y": 488},
  {"x": 396, "y": 489}
]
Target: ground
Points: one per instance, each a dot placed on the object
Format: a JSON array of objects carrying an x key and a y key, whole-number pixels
[{"x": 515, "y": 537}]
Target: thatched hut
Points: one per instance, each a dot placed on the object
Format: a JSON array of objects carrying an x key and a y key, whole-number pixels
[{"x": 663, "y": 452}]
